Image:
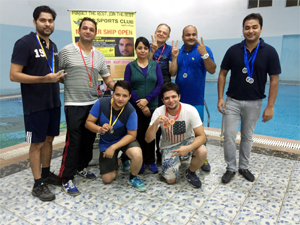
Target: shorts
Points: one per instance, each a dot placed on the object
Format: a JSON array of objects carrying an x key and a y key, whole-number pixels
[
  {"x": 200, "y": 109},
  {"x": 170, "y": 165},
  {"x": 110, "y": 164},
  {"x": 40, "y": 124}
]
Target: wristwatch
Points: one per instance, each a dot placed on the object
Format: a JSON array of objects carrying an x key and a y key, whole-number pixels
[{"x": 205, "y": 56}]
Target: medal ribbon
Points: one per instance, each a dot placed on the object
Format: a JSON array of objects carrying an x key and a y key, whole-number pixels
[
  {"x": 161, "y": 53},
  {"x": 53, "y": 60},
  {"x": 110, "y": 119},
  {"x": 252, "y": 59},
  {"x": 177, "y": 114},
  {"x": 90, "y": 76}
]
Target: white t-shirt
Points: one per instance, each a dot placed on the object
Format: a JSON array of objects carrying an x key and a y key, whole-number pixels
[{"x": 182, "y": 129}]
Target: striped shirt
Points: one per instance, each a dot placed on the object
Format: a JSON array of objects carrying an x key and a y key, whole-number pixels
[{"x": 76, "y": 82}]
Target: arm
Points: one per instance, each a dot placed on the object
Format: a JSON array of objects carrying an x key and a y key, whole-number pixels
[
  {"x": 209, "y": 64},
  {"x": 152, "y": 129},
  {"x": 269, "y": 111},
  {"x": 109, "y": 82},
  {"x": 173, "y": 65},
  {"x": 221, "y": 84}
]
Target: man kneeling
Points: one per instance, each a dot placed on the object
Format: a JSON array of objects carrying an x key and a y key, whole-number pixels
[
  {"x": 182, "y": 134},
  {"x": 117, "y": 121}
]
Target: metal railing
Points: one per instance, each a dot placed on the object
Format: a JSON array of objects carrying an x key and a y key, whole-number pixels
[{"x": 208, "y": 114}]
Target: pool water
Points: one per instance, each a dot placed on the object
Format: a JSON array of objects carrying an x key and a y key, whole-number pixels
[{"x": 285, "y": 122}]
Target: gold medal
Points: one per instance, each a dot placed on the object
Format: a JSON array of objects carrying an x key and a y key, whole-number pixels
[
  {"x": 111, "y": 131},
  {"x": 90, "y": 83}
]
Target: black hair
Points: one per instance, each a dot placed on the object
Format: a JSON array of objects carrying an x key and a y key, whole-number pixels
[
  {"x": 43, "y": 8},
  {"x": 169, "y": 86},
  {"x": 164, "y": 24},
  {"x": 123, "y": 84},
  {"x": 88, "y": 19},
  {"x": 254, "y": 16},
  {"x": 143, "y": 40}
]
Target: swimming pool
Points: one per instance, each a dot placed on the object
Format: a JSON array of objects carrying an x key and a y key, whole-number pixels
[{"x": 285, "y": 123}]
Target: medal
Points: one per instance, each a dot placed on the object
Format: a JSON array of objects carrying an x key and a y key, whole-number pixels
[
  {"x": 251, "y": 81},
  {"x": 244, "y": 70},
  {"x": 172, "y": 121},
  {"x": 110, "y": 119},
  {"x": 185, "y": 75},
  {"x": 91, "y": 83},
  {"x": 111, "y": 131},
  {"x": 90, "y": 75}
]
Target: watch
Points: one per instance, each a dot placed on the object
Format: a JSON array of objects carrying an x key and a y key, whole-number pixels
[{"x": 205, "y": 56}]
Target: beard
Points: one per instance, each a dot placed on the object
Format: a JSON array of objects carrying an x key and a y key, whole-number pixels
[{"x": 43, "y": 32}]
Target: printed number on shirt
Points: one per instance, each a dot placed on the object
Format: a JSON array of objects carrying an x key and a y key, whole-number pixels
[{"x": 39, "y": 53}]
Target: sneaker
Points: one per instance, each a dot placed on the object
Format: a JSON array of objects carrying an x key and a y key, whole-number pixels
[
  {"x": 247, "y": 174},
  {"x": 205, "y": 167},
  {"x": 153, "y": 168},
  {"x": 137, "y": 184},
  {"x": 192, "y": 179},
  {"x": 52, "y": 179},
  {"x": 43, "y": 193},
  {"x": 226, "y": 178},
  {"x": 70, "y": 188},
  {"x": 142, "y": 170},
  {"x": 86, "y": 174},
  {"x": 125, "y": 165}
]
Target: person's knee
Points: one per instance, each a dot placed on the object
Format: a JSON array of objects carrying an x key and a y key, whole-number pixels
[
  {"x": 171, "y": 181},
  {"x": 49, "y": 139},
  {"x": 200, "y": 152},
  {"x": 135, "y": 154},
  {"x": 108, "y": 177},
  {"x": 36, "y": 146}
]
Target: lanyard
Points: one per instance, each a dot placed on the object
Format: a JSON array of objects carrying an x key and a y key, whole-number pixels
[
  {"x": 161, "y": 53},
  {"x": 90, "y": 75},
  {"x": 186, "y": 67},
  {"x": 172, "y": 121},
  {"x": 110, "y": 119},
  {"x": 53, "y": 60},
  {"x": 252, "y": 59}
]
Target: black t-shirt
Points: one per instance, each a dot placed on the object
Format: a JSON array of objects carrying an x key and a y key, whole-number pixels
[
  {"x": 28, "y": 53},
  {"x": 266, "y": 62}
]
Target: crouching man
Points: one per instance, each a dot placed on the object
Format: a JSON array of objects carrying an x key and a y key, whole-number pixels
[
  {"x": 117, "y": 125},
  {"x": 182, "y": 134}
]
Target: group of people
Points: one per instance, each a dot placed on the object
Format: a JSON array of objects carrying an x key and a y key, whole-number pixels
[{"x": 144, "y": 107}]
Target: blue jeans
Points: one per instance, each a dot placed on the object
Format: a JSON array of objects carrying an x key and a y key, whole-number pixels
[{"x": 248, "y": 112}]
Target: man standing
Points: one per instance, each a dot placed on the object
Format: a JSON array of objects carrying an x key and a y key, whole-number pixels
[
  {"x": 193, "y": 61},
  {"x": 34, "y": 64},
  {"x": 118, "y": 127},
  {"x": 83, "y": 63},
  {"x": 249, "y": 61},
  {"x": 126, "y": 47},
  {"x": 182, "y": 134}
]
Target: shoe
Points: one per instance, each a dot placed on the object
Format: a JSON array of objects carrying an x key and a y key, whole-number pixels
[
  {"x": 70, "y": 188},
  {"x": 226, "y": 178},
  {"x": 125, "y": 165},
  {"x": 43, "y": 193},
  {"x": 142, "y": 170},
  {"x": 52, "y": 179},
  {"x": 247, "y": 174},
  {"x": 184, "y": 158},
  {"x": 205, "y": 167},
  {"x": 153, "y": 168},
  {"x": 192, "y": 179},
  {"x": 137, "y": 184},
  {"x": 86, "y": 174}
]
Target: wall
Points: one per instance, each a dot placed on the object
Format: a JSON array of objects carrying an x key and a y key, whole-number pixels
[{"x": 217, "y": 21}]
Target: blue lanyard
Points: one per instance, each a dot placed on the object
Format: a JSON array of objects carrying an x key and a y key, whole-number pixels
[
  {"x": 53, "y": 60},
  {"x": 252, "y": 59},
  {"x": 189, "y": 61}
]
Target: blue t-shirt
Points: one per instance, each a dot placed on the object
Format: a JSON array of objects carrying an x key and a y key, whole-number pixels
[
  {"x": 126, "y": 121},
  {"x": 192, "y": 86},
  {"x": 164, "y": 60}
]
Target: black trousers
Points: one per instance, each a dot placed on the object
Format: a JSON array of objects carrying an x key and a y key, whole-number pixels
[
  {"x": 148, "y": 149},
  {"x": 78, "y": 151}
]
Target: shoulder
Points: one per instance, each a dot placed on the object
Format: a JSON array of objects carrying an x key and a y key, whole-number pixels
[
  {"x": 98, "y": 53},
  {"x": 67, "y": 48},
  {"x": 268, "y": 47},
  {"x": 28, "y": 40}
]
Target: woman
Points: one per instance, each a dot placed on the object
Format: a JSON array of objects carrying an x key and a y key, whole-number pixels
[{"x": 145, "y": 78}]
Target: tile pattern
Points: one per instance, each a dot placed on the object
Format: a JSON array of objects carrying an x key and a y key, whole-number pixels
[{"x": 273, "y": 198}]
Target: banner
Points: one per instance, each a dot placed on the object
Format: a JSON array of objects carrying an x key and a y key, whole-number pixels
[{"x": 116, "y": 33}]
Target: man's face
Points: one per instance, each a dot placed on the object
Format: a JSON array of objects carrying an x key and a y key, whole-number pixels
[
  {"x": 162, "y": 33},
  {"x": 189, "y": 36},
  {"x": 121, "y": 97},
  {"x": 44, "y": 24},
  {"x": 171, "y": 100},
  {"x": 87, "y": 31},
  {"x": 252, "y": 30},
  {"x": 126, "y": 47}
]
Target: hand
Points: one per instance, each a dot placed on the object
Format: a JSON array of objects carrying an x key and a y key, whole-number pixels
[
  {"x": 154, "y": 45},
  {"x": 105, "y": 127},
  {"x": 141, "y": 103},
  {"x": 268, "y": 114},
  {"x": 201, "y": 47},
  {"x": 54, "y": 77},
  {"x": 182, "y": 151},
  {"x": 161, "y": 120},
  {"x": 221, "y": 106},
  {"x": 109, "y": 153},
  {"x": 146, "y": 111},
  {"x": 175, "y": 50}
]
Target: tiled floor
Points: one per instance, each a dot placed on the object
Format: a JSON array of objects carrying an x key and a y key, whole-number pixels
[{"x": 274, "y": 197}]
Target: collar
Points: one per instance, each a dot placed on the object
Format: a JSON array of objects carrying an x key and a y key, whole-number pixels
[
  {"x": 41, "y": 39},
  {"x": 195, "y": 47},
  {"x": 261, "y": 45}
]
